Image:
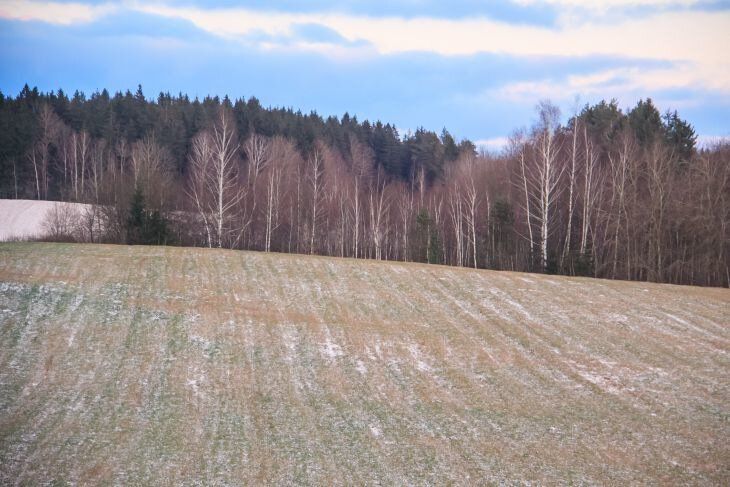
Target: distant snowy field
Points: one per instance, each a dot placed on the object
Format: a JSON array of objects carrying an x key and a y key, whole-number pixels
[{"x": 23, "y": 219}]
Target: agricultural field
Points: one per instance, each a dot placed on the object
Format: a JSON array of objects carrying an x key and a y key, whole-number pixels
[
  {"x": 171, "y": 366},
  {"x": 29, "y": 219}
]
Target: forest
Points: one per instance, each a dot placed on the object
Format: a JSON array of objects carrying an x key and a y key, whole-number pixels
[{"x": 612, "y": 193}]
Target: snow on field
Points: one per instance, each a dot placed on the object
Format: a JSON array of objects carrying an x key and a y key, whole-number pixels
[
  {"x": 23, "y": 219},
  {"x": 170, "y": 366}
]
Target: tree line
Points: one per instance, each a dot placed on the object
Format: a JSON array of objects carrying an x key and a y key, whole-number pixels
[{"x": 613, "y": 194}]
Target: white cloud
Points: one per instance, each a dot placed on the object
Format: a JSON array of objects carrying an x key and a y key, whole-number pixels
[
  {"x": 621, "y": 83},
  {"x": 693, "y": 43},
  {"x": 670, "y": 35},
  {"x": 710, "y": 141},
  {"x": 494, "y": 144},
  {"x": 53, "y": 12},
  {"x": 608, "y": 4},
  {"x": 696, "y": 41}
]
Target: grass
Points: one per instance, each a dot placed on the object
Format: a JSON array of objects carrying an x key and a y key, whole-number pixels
[{"x": 152, "y": 365}]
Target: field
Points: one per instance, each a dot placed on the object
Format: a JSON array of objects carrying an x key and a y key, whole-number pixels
[
  {"x": 169, "y": 366},
  {"x": 26, "y": 219}
]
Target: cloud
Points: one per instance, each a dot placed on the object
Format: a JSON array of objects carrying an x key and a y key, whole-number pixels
[
  {"x": 53, "y": 12},
  {"x": 652, "y": 37},
  {"x": 493, "y": 144},
  {"x": 694, "y": 37},
  {"x": 608, "y": 4},
  {"x": 696, "y": 58},
  {"x": 620, "y": 83},
  {"x": 710, "y": 141},
  {"x": 430, "y": 70},
  {"x": 318, "y": 33}
]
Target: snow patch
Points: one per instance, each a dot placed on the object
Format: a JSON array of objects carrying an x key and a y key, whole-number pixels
[
  {"x": 360, "y": 367},
  {"x": 330, "y": 349},
  {"x": 604, "y": 382},
  {"x": 421, "y": 364},
  {"x": 77, "y": 302},
  {"x": 25, "y": 219}
]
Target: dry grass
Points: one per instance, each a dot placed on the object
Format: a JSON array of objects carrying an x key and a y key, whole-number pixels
[{"x": 167, "y": 366}]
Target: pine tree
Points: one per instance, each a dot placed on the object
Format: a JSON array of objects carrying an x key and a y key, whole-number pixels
[
  {"x": 646, "y": 122},
  {"x": 136, "y": 219},
  {"x": 680, "y": 136},
  {"x": 143, "y": 227}
]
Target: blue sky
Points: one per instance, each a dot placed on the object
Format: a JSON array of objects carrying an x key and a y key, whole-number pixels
[{"x": 475, "y": 67}]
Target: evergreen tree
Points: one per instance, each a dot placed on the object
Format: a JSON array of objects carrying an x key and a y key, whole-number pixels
[
  {"x": 426, "y": 153},
  {"x": 680, "y": 136},
  {"x": 451, "y": 151},
  {"x": 136, "y": 218},
  {"x": 602, "y": 121},
  {"x": 428, "y": 245},
  {"x": 145, "y": 227},
  {"x": 646, "y": 122}
]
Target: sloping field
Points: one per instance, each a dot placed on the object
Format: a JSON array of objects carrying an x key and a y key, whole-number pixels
[{"x": 162, "y": 366}]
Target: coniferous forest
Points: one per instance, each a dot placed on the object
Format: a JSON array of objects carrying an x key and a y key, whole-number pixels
[{"x": 612, "y": 193}]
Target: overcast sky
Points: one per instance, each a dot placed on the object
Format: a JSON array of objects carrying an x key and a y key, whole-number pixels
[{"x": 475, "y": 67}]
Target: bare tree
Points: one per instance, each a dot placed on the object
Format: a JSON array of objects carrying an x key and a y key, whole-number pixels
[
  {"x": 257, "y": 149},
  {"x": 80, "y": 149},
  {"x": 619, "y": 175},
  {"x": 406, "y": 211},
  {"x": 63, "y": 223},
  {"x": 281, "y": 155},
  {"x": 64, "y": 160},
  {"x": 39, "y": 155},
  {"x": 272, "y": 204},
  {"x": 472, "y": 203},
  {"x": 659, "y": 186},
  {"x": 315, "y": 173},
  {"x": 590, "y": 175},
  {"x": 541, "y": 175},
  {"x": 201, "y": 186},
  {"x": 33, "y": 157},
  {"x": 379, "y": 204},
  {"x": 519, "y": 146},
  {"x": 436, "y": 204},
  {"x": 571, "y": 189},
  {"x": 214, "y": 185},
  {"x": 548, "y": 172},
  {"x": 362, "y": 163},
  {"x": 457, "y": 221},
  {"x": 97, "y": 166}
]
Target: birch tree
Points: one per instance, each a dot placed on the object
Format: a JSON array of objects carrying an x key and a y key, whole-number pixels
[
  {"x": 215, "y": 186},
  {"x": 472, "y": 202},
  {"x": 524, "y": 185},
  {"x": 280, "y": 155},
  {"x": 379, "y": 204},
  {"x": 571, "y": 190},
  {"x": 315, "y": 176},
  {"x": 406, "y": 211},
  {"x": 541, "y": 176},
  {"x": 619, "y": 174},
  {"x": 659, "y": 186},
  {"x": 50, "y": 125},
  {"x": 257, "y": 149},
  {"x": 362, "y": 162},
  {"x": 457, "y": 222},
  {"x": 590, "y": 184},
  {"x": 80, "y": 149}
]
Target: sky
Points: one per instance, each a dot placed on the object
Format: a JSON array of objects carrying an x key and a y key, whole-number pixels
[{"x": 476, "y": 67}]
